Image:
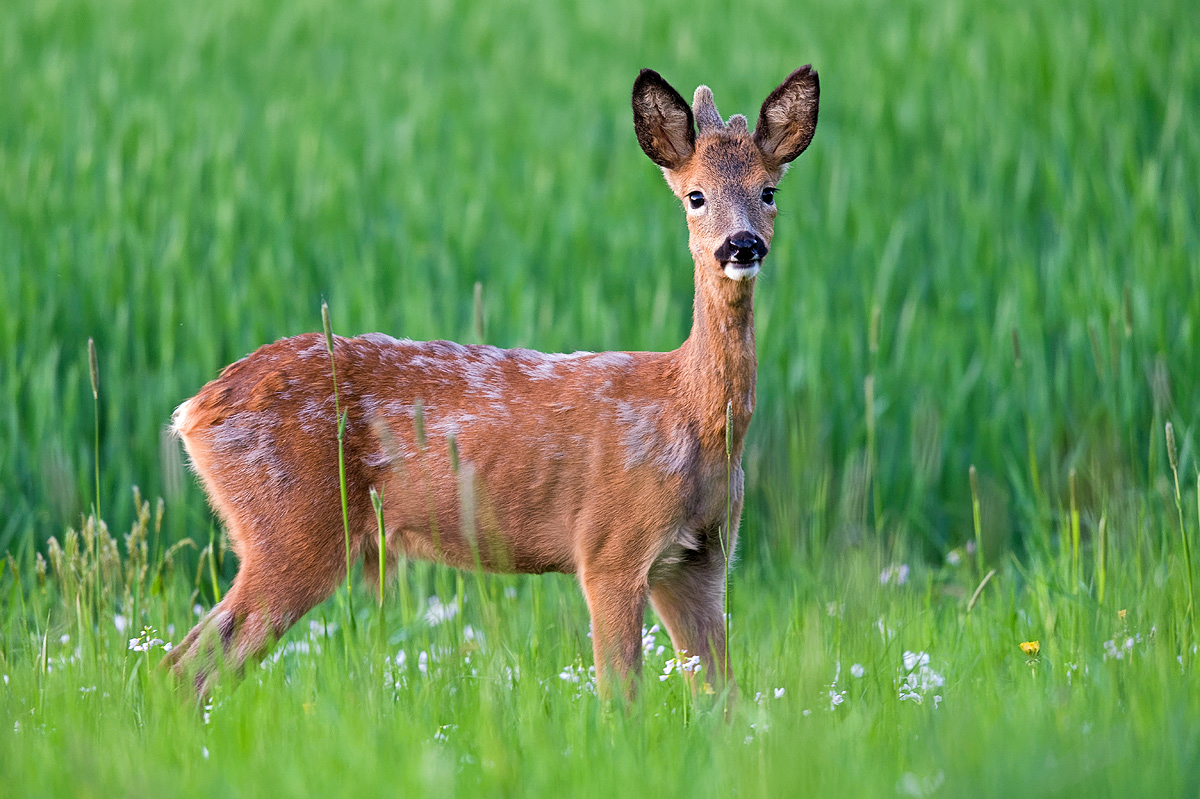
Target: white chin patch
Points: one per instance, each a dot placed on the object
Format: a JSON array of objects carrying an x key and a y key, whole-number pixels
[{"x": 742, "y": 271}]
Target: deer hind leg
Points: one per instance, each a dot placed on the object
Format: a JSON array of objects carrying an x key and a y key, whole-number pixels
[
  {"x": 690, "y": 599},
  {"x": 617, "y": 603},
  {"x": 275, "y": 586}
]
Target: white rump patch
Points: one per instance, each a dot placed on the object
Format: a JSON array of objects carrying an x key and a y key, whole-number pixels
[{"x": 179, "y": 418}]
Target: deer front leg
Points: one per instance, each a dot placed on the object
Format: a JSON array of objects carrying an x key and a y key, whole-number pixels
[
  {"x": 690, "y": 602},
  {"x": 617, "y": 603}
]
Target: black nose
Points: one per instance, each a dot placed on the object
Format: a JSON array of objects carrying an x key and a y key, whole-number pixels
[{"x": 742, "y": 248}]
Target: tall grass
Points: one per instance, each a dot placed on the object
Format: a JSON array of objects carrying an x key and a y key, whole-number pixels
[{"x": 985, "y": 266}]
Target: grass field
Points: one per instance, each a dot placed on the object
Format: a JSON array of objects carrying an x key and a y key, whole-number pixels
[{"x": 989, "y": 258}]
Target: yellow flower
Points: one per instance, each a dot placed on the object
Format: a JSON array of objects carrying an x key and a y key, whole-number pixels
[
  {"x": 1031, "y": 648},
  {"x": 1121, "y": 613}
]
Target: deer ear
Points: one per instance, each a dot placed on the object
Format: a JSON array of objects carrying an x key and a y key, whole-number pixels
[
  {"x": 663, "y": 121},
  {"x": 788, "y": 118}
]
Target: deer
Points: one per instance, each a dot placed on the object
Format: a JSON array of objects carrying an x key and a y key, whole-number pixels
[{"x": 621, "y": 468}]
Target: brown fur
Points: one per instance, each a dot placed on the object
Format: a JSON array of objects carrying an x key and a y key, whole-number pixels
[{"x": 611, "y": 466}]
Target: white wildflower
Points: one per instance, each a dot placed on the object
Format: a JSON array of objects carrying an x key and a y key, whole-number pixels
[
  {"x": 677, "y": 663},
  {"x": 584, "y": 679},
  {"x": 779, "y": 692},
  {"x": 120, "y": 622},
  {"x": 917, "y": 678},
  {"x": 1071, "y": 669},
  {"x": 1118, "y": 651},
  {"x": 895, "y": 573},
  {"x": 437, "y": 611},
  {"x": 887, "y": 632},
  {"x": 857, "y": 670},
  {"x": 321, "y": 629},
  {"x": 912, "y": 785},
  {"x": 147, "y": 640},
  {"x": 648, "y": 640},
  {"x": 300, "y": 648}
]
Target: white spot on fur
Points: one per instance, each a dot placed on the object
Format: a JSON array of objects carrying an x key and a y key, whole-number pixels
[
  {"x": 247, "y": 439},
  {"x": 317, "y": 349},
  {"x": 445, "y": 349},
  {"x": 607, "y": 360},
  {"x": 384, "y": 341},
  {"x": 540, "y": 371},
  {"x": 647, "y": 443}
]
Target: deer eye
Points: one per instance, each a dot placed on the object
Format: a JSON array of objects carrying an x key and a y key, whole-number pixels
[
  {"x": 768, "y": 196},
  {"x": 696, "y": 200}
]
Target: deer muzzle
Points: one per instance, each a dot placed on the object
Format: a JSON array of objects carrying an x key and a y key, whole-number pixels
[{"x": 741, "y": 255}]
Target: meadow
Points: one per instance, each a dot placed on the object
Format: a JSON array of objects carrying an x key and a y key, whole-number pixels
[{"x": 980, "y": 314}]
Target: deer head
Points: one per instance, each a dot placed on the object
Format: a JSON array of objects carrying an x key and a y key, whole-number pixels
[{"x": 725, "y": 176}]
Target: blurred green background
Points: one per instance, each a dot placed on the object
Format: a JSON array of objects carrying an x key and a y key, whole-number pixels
[{"x": 185, "y": 182}]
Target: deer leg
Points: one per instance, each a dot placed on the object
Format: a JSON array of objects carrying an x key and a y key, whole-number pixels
[
  {"x": 264, "y": 602},
  {"x": 690, "y": 603},
  {"x": 617, "y": 604}
]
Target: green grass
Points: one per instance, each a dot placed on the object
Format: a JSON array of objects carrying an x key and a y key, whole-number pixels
[{"x": 183, "y": 183}]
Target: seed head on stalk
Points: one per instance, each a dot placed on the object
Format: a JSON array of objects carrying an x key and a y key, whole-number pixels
[
  {"x": 341, "y": 434},
  {"x": 1187, "y": 547}
]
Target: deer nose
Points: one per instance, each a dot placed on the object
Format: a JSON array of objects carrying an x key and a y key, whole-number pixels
[{"x": 742, "y": 247}]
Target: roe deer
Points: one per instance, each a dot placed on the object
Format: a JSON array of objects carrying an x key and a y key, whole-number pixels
[{"x": 611, "y": 466}]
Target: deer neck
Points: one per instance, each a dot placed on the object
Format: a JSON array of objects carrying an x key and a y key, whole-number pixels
[{"x": 718, "y": 359}]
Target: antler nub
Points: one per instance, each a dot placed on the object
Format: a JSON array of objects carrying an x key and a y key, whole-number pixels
[{"x": 708, "y": 119}]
